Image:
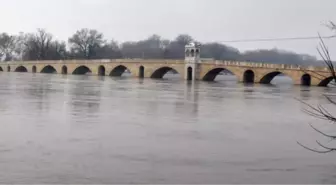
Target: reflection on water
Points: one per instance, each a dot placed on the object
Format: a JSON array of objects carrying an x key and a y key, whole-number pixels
[{"x": 88, "y": 129}]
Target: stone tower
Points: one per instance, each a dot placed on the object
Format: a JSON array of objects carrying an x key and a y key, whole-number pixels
[{"x": 192, "y": 61}]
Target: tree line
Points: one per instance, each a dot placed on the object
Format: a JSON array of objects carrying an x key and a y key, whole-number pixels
[{"x": 91, "y": 44}]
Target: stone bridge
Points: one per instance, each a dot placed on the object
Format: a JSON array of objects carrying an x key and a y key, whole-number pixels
[
  {"x": 192, "y": 68},
  {"x": 205, "y": 70}
]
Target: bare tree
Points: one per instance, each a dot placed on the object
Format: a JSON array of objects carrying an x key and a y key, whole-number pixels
[
  {"x": 175, "y": 49},
  {"x": 39, "y": 46},
  {"x": 36, "y": 45},
  {"x": 57, "y": 51},
  {"x": 7, "y": 46},
  {"x": 43, "y": 41},
  {"x": 84, "y": 43},
  {"x": 319, "y": 111},
  {"x": 152, "y": 47},
  {"x": 183, "y": 39},
  {"x": 219, "y": 51},
  {"x": 109, "y": 50}
]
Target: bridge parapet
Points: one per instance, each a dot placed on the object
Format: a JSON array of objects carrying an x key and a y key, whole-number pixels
[
  {"x": 253, "y": 64},
  {"x": 100, "y": 61},
  {"x": 266, "y": 65},
  {"x": 323, "y": 69}
]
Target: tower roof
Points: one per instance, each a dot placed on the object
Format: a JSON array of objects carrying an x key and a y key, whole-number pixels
[{"x": 193, "y": 45}]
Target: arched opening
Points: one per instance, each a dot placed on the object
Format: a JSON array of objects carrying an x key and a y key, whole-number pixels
[
  {"x": 197, "y": 52},
  {"x": 101, "y": 71},
  {"x": 276, "y": 78},
  {"x": 1, "y": 69},
  {"x": 141, "y": 72},
  {"x": 120, "y": 71},
  {"x": 187, "y": 53},
  {"x": 34, "y": 69},
  {"x": 21, "y": 69},
  {"x": 48, "y": 69},
  {"x": 306, "y": 80},
  {"x": 82, "y": 70},
  {"x": 64, "y": 70},
  {"x": 326, "y": 82},
  {"x": 192, "y": 53},
  {"x": 220, "y": 74},
  {"x": 190, "y": 74},
  {"x": 8, "y": 68},
  {"x": 166, "y": 73},
  {"x": 249, "y": 76}
]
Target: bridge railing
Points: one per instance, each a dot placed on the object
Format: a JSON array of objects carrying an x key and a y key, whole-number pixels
[
  {"x": 98, "y": 61},
  {"x": 266, "y": 65}
]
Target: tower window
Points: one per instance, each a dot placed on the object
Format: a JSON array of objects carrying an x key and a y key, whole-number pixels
[
  {"x": 192, "y": 53},
  {"x": 187, "y": 53}
]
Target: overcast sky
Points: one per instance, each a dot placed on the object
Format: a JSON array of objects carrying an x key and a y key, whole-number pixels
[{"x": 205, "y": 20}]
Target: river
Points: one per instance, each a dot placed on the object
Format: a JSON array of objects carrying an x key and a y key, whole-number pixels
[{"x": 89, "y": 129}]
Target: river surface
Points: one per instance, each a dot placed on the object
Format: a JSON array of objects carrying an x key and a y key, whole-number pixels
[{"x": 88, "y": 129}]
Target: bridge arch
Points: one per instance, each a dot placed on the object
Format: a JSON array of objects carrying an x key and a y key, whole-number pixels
[
  {"x": 8, "y": 68},
  {"x": 34, "y": 69},
  {"x": 141, "y": 72},
  {"x": 249, "y": 76},
  {"x": 213, "y": 73},
  {"x": 48, "y": 69},
  {"x": 162, "y": 71},
  {"x": 81, "y": 70},
  {"x": 306, "y": 80},
  {"x": 118, "y": 71},
  {"x": 64, "y": 70},
  {"x": 101, "y": 70},
  {"x": 21, "y": 69},
  {"x": 266, "y": 79}
]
